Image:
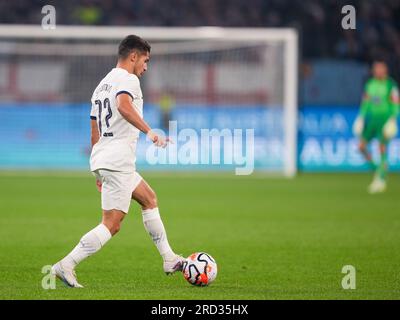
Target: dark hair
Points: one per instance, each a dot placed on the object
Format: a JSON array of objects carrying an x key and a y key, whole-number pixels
[
  {"x": 130, "y": 43},
  {"x": 380, "y": 61}
]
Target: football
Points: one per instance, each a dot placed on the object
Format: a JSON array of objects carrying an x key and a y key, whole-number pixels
[{"x": 200, "y": 269}]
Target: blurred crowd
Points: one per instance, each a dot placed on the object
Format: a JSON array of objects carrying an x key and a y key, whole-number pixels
[{"x": 319, "y": 21}]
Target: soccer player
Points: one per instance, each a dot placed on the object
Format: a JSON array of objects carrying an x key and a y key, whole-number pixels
[
  {"x": 116, "y": 119},
  {"x": 377, "y": 119}
]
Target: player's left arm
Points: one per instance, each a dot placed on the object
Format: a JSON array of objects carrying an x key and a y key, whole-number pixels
[
  {"x": 395, "y": 101},
  {"x": 94, "y": 138},
  {"x": 390, "y": 127},
  {"x": 94, "y": 132}
]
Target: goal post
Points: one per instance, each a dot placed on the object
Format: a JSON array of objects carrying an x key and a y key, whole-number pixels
[{"x": 248, "y": 73}]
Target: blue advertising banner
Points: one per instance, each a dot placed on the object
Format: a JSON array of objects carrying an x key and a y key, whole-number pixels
[
  {"x": 49, "y": 136},
  {"x": 326, "y": 141},
  {"x": 54, "y": 136}
]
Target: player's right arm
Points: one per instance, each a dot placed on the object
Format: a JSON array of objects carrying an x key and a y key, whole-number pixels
[
  {"x": 364, "y": 105},
  {"x": 358, "y": 125},
  {"x": 365, "y": 102},
  {"x": 127, "y": 110}
]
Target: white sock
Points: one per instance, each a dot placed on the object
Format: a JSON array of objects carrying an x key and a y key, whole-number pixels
[
  {"x": 89, "y": 244},
  {"x": 155, "y": 227}
]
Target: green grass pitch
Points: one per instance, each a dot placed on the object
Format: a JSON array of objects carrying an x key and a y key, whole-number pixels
[{"x": 272, "y": 238}]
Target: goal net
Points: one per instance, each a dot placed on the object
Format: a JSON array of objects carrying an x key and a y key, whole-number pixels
[{"x": 224, "y": 81}]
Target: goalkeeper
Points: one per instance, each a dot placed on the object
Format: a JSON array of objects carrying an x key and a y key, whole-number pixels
[{"x": 377, "y": 119}]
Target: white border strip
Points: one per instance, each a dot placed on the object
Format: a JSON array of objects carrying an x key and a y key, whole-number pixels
[
  {"x": 153, "y": 33},
  {"x": 290, "y": 104}
]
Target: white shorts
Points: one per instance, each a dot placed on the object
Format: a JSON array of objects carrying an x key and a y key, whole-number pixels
[{"x": 117, "y": 188}]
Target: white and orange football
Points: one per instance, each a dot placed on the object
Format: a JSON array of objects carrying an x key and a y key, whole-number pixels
[{"x": 200, "y": 269}]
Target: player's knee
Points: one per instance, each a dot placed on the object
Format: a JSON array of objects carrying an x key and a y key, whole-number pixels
[
  {"x": 112, "y": 223},
  {"x": 362, "y": 147},
  {"x": 151, "y": 201},
  {"x": 114, "y": 227}
]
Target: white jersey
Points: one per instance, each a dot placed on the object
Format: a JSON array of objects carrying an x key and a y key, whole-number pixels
[{"x": 116, "y": 148}]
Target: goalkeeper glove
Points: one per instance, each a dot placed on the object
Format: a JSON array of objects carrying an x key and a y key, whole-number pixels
[
  {"x": 358, "y": 126},
  {"x": 390, "y": 129}
]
